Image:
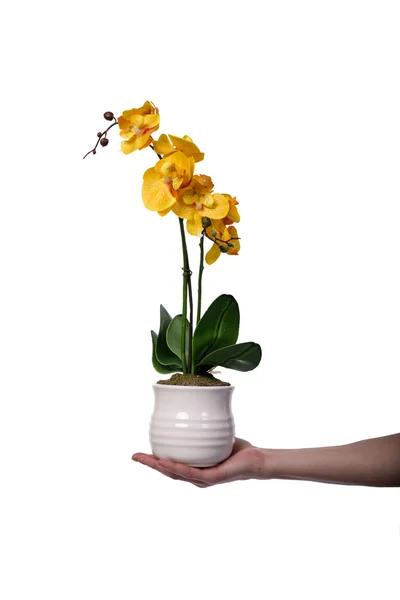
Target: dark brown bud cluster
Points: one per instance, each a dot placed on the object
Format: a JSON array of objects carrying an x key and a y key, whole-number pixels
[{"x": 102, "y": 135}]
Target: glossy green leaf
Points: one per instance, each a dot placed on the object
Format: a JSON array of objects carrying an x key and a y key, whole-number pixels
[
  {"x": 218, "y": 327},
  {"x": 173, "y": 336},
  {"x": 156, "y": 363},
  {"x": 163, "y": 352},
  {"x": 241, "y": 357}
]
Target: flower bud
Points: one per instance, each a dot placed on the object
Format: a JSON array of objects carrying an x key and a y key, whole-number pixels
[
  {"x": 108, "y": 116},
  {"x": 231, "y": 245},
  {"x": 206, "y": 222},
  {"x": 224, "y": 248},
  {"x": 99, "y": 134},
  {"x": 213, "y": 233},
  {"x": 94, "y": 151},
  {"x": 104, "y": 142}
]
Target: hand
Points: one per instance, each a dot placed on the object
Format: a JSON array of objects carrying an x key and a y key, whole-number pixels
[{"x": 245, "y": 462}]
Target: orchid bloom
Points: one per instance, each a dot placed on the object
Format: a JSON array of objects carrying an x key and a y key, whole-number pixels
[
  {"x": 167, "y": 144},
  {"x": 196, "y": 201},
  {"x": 227, "y": 235},
  {"x": 233, "y": 214},
  {"x": 137, "y": 125},
  {"x": 162, "y": 182}
]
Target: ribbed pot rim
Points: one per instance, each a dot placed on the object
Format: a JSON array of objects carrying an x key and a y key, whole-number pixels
[{"x": 194, "y": 387}]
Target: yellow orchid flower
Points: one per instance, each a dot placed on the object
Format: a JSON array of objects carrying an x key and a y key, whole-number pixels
[
  {"x": 196, "y": 201},
  {"x": 202, "y": 184},
  {"x": 167, "y": 144},
  {"x": 137, "y": 125},
  {"x": 162, "y": 182},
  {"x": 233, "y": 214},
  {"x": 228, "y": 235}
]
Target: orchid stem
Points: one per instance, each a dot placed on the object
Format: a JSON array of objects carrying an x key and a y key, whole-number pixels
[
  {"x": 187, "y": 290},
  {"x": 201, "y": 269}
]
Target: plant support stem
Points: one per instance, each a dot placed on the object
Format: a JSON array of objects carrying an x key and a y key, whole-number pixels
[
  {"x": 187, "y": 291},
  {"x": 199, "y": 287}
]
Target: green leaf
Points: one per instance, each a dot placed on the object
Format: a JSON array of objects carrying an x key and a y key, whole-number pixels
[
  {"x": 218, "y": 327},
  {"x": 173, "y": 336},
  {"x": 156, "y": 363},
  {"x": 163, "y": 353},
  {"x": 241, "y": 357}
]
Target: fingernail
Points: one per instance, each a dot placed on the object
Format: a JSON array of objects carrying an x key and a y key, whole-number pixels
[{"x": 135, "y": 457}]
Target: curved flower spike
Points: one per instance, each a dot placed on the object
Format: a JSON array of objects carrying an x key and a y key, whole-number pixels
[{"x": 137, "y": 125}]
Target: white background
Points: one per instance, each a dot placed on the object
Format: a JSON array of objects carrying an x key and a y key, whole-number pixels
[{"x": 296, "y": 105}]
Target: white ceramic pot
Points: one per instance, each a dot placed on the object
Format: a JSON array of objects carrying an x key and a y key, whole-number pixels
[{"x": 192, "y": 424}]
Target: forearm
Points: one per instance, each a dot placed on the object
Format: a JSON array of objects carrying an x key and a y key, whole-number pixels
[{"x": 372, "y": 462}]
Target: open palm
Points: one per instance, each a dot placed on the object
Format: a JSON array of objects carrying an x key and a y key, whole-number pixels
[{"x": 245, "y": 462}]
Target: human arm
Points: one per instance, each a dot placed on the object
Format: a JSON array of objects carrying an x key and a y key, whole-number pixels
[{"x": 371, "y": 462}]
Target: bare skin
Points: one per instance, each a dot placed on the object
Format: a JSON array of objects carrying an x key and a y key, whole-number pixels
[{"x": 372, "y": 462}]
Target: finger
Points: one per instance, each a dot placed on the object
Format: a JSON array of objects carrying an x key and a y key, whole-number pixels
[
  {"x": 178, "y": 478},
  {"x": 166, "y": 474},
  {"x": 154, "y": 463},
  {"x": 240, "y": 445},
  {"x": 203, "y": 476},
  {"x": 146, "y": 459}
]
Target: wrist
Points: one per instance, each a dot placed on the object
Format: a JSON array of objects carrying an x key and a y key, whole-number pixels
[
  {"x": 270, "y": 463},
  {"x": 280, "y": 463}
]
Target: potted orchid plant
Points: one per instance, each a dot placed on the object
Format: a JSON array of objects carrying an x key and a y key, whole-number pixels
[{"x": 192, "y": 421}]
